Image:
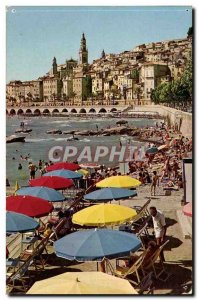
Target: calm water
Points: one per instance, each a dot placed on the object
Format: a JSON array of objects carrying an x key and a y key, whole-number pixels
[{"x": 38, "y": 142}]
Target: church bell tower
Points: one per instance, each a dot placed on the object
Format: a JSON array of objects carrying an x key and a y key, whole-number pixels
[
  {"x": 83, "y": 52},
  {"x": 54, "y": 66}
]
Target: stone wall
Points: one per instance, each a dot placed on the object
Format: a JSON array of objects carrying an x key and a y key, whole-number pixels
[{"x": 183, "y": 119}]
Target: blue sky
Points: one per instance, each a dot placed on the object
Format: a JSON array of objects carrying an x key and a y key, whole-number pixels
[{"x": 36, "y": 34}]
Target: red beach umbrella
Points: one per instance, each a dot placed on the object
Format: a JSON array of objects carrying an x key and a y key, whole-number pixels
[
  {"x": 28, "y": 205},
  {"x": 187, "y": 209},
  {"x": 54, "y": 182},
  {"x": 63, "y": 165}
]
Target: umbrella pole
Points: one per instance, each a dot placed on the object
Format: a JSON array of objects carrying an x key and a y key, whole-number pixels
[{"x": 22, "y": 243}]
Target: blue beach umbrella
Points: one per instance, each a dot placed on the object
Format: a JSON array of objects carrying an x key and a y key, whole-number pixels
[
  {"x": 16, "y": 222},
  {"x": 43, "y": 193},
  {"x": 96, "y": 244},
  {"x": 108, "y": 194},
  {"x": 65, "y": 174},
  {"x": 152, "y": 150}
]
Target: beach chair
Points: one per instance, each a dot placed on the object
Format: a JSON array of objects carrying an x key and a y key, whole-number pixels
[
  {"x": 55, "y": 230},
  {"x": 143, "y": 235},
  {"x": 36, "y": 254},
  {"x": 160, "y": 272},
  {"x": 143, "y": 209},
  {"x": 142, "y": 216},
  {"x": 75, "y": 203},
  {"x": 20, "y": 276},
  {"x": 134, "y": 270},
  {"x": 146, "y": 286}
]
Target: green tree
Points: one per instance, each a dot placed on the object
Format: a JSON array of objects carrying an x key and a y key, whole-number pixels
[
  {"x": 187, "y": 77},
  {"x": 135, "y": 74},
  {"x": 177, "y": 92},
  {"x": 190, "y": 31}
]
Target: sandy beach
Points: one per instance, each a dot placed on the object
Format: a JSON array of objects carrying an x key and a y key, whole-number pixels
[{"x": 178, "y": 253}]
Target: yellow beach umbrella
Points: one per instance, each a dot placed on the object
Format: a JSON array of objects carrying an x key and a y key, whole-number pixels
[
  {"x": 119, "y": 182},
  {"x": 103, "y": 214},
  {"x": 83, "y": 172},
  {"x": 82, "y": 283}
]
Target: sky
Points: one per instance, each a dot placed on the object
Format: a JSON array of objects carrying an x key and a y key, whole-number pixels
[{"x": 34, "y": 35}]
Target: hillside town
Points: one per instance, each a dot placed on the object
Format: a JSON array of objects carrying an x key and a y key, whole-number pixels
[{"x": 127, "y": 78}]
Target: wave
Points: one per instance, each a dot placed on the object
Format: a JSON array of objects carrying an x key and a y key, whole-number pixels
[
  {"x": 38, "y": 140},
  {"x": 59, "y": 121},
  {"x": 85, "y": 140},
  {"x": 60, "y": 139},
  {"x": 65, "y": 125}
]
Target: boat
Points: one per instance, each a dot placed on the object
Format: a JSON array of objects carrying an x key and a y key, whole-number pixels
[
  {"x": 23, "y": 130},
  {"x": 14, "y": 139}
]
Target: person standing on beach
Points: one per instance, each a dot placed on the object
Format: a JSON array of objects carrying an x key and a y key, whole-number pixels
[
  {"x": 160, "y": 227},
  {"x": 154, "y": 183},
  {"x": 33, "y": 170}
]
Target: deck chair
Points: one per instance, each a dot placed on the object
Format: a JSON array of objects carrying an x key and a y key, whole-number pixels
[
  {"x": 21, "y": 276},
  {"x": 124, "y": 272},
  {"x": 161, "y": 274},
  {"x": 146, "y": 285},
  {"x": 55, "y": 230},
  {"x": 143, "y": 234},
  {"x": 143, "y": 208},
  {"x": 142, "y": 214},
  {"x": 36, "y": 254},
  {"x": 38, "y": 259}
]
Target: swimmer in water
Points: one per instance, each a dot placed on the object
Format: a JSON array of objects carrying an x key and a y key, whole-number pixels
[{"x": 20, "y": 167}]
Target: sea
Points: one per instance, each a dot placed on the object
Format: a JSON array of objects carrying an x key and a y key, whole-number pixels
[{"x": 38, "y": 143}]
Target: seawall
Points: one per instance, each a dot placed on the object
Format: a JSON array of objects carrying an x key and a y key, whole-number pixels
[{"x": 182, "y": 119}]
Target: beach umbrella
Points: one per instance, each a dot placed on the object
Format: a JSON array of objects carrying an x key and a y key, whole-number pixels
[
  {"x": 187, "y": 209},
  {"x": 54, "y": 182},
  {"x": 82, "y": 283},
  {"x": 64, "y": 174},
  {"x": 108, "y": 194},
  {"x": 118, "y": 182},
  {"x": 42, "y": 192},
  {"x": 83, "y": 172},
  {"x": 90, "y": 166},
  {"x": 63, "y": 165},
  {"x": 16, "y": 222},
  {"x": 152, "y": 150},
  {"x": 96, "y": 245},
  {"x": 103, "y": 214},
  {"x": 28, "y": 205},
  {"x": 163, "y": 147}
]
